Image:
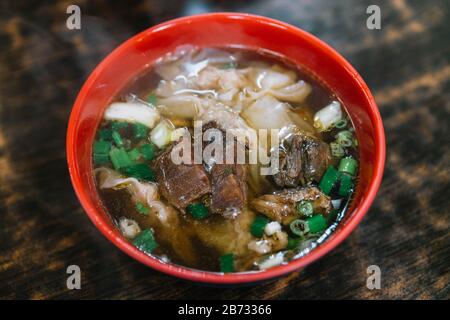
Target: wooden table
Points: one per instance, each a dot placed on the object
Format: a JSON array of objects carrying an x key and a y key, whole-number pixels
[{"x": 44, "y": 229}]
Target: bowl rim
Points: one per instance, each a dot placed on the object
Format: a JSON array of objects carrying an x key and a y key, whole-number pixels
[{"x": 218, "y": 277}]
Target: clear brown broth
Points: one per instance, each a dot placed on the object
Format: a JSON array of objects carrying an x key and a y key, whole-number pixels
[{"x": 118, "y": 203}]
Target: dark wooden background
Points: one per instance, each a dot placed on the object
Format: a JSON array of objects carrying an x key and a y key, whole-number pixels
[{"x": 43, "y": 228}]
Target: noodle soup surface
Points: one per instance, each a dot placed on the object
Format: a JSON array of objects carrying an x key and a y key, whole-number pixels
[{"x": 225, "y": 160}]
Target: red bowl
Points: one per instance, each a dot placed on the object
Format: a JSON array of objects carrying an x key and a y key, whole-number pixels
[{"x": 224, "y": 30}]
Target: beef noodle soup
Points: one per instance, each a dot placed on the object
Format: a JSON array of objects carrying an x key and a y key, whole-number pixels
[{"x": 225, "y": 160}]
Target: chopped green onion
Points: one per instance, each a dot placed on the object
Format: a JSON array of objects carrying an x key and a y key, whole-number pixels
[
  {"x": 105, "y": 134},
  {"x": 341, "y": 124},
  {"x": 326, "y": 117},
  {"x": 332, "y": 216},
  {"x": 145, "y": 241},
  {"x": 346, "y": 185},
  {"x": 101, "y": 147},
  {"x": 348, "y": 165},
  {"x": 161, "y": 134},
  {"x": 142, "y": 209},
  {"x": 317, "y": 223},
  {"x": 293, "y": 243},
  {"x": 101, "y": 158},
  {"x": 139, "y": 171},
  {"x": 140, "y": 131},
  {"x": 299, "y": 227},
  {"x": 258, "y": 225},
  {"x": 227, "y": 263},
  {"x": 198, "y": 210},
  {"x": 346, "y": 142},
  {"x": 134, "y": 154},
  {"x": 337, "y": 150},
  {"x": 117, "y": 139},
  {"x": 305, "y": 208},
  {"x": 345, "y": 138},
  {"x": 344, "y": 134},
  {"x": 328, "y": 180},
  {"x": 148, "y": 151},
  {"x": 119, "y": 158},
  {"x": 152, "y": 99},
  {"x": 117, "y": 125}
]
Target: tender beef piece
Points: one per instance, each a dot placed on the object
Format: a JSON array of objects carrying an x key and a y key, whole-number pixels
[
  {"x": 316, "y": 158},
  {"x": 290, "y": 162},
  {"x": 302, "y": 159},
  {"x": 280, "y": 206},
  {"x": 229, "y": 189},
  {"x": 181, "y": 184}
]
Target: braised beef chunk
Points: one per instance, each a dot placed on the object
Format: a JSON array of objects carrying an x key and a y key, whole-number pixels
[
  {"x": 290, "y": 163},
  {"x": 229, "y": 190},
  {"x": 280, "y": 206},
  {"x": 316, "y": 158},
  {"x": 181, "y": 184},
  {"x": 302, "y": 159}
]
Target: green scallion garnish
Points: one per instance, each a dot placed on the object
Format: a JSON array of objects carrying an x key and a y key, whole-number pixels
[
  {"x": 329, "y": 180},
  {"x": 346, "y": 185},
  {"x": 105, "y": 134},
  {"x": 100, "y": 151},
  {"x": 148, "y": 151},
  {"x": 117, "y": 139},
  {"x": 145, "y": 241},
  {"x": 119, "y": 158},
  {"x": 348, "y": 165},
  {"x": 139, "y": 171},
  {"x": 305, "y": 208},
  {"x": 227, "y": 263},
  {"x": 118, "y": 125},
  {"x": 142, "y": 209},
  {"x": 198, "y": 210},
  {"x": 134, "y": 154},
  {"x": 317, "y": 223},
  {"x": 344, "y": 138},
  {"x": 299, "y": 227},
  {"x": 101, "y": 147},
  {"x": 337, "y": 150},
  {"x": 258, "y": 225},
  {"x": 341, "y": 124},
  {"x": 140, "y": 131},
  {"x": 332, "y": 216},
  {"x": 152, "y": 99},
  {"x": 100, "y": 158},
  {"x": 293, "y": 243}
]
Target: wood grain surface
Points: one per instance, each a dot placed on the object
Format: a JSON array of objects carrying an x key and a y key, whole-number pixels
[{"x": 43, "y": 228}]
